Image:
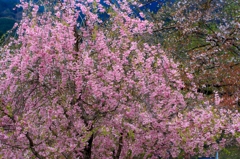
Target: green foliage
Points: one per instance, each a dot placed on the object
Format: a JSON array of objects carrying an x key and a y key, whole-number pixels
[
  {"x": 230, "y": 153},
  {"x": 8, "y": 16},
  {"x": 232, "y": 9},
  {"x": 1, "y": 33},
  {"x": 6, "y": 24}
]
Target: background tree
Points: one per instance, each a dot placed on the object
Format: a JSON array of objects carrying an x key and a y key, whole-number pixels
[{"x": 206, "y": 38}]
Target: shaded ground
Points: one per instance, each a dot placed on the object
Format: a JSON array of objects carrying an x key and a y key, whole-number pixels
[{"x": 230, "y": 153}]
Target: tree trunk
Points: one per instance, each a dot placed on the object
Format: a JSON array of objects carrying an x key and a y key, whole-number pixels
[{"x": 88, "y": 149}]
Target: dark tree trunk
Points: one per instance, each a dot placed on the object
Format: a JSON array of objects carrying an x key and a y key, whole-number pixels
[
  {"x": 88, "y": 149},
  {"x": 120, "y": 145}
]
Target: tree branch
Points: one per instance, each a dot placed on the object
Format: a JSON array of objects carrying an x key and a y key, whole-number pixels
[
  {"x": 31, "y": 145},
  {"x": 120, "y": 145}
]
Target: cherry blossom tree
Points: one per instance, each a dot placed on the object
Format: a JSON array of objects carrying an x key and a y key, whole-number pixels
[{"x": 99, "y": 91}]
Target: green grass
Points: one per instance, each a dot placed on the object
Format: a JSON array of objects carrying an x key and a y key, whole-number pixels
[{"x": 230, "y": 153}]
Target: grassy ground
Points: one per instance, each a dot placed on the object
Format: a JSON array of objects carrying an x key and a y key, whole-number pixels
[{"x": 230, "y": 153}]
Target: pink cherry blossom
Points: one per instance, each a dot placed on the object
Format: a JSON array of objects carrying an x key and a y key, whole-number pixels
[{"x": 108, "y": 96}]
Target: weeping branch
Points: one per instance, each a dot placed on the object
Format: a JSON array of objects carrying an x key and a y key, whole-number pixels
[{"x": 31, "y": 145}]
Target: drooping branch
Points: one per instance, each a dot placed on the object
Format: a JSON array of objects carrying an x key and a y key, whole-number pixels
[
  {"x": 31, "y": 146},
  {"x": 78, "y": 39}
]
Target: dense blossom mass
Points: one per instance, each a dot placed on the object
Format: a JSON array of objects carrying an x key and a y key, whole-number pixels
[{"x": 97, "y": 91}]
